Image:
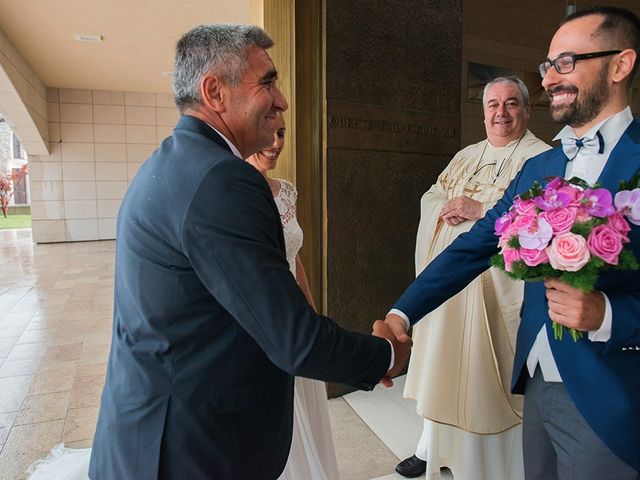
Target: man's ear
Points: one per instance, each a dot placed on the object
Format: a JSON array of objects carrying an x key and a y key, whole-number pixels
[
  {"x": 213, "y": 93},
  {"x": 623, "y": 65}
]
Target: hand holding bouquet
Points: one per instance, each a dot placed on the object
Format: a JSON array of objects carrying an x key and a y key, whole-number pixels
[{"x": 568, "y": 230}]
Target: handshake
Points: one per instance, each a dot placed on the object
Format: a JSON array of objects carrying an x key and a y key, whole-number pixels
[{"x": 394, "y": 329}]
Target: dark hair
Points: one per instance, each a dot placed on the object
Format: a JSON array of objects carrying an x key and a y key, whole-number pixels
[
  {"x": 221, "y": 49},
  {"x": 620, "y": 28}
]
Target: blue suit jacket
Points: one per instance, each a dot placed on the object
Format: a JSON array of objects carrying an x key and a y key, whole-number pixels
[
  {"x": 603, "y": 379},
  {"x": 209, "y": 324}
]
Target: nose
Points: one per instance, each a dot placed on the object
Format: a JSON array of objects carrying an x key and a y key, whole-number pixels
[
  {"x": 501, "y": 110},
  {"x": 279, "y": 102}
]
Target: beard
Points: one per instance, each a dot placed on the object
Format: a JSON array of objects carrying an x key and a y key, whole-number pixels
[{"x": 585, "y": 107}]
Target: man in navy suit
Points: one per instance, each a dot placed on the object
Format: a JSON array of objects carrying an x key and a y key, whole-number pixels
[
  {"x": 582, "y": 399},
  {"x": 209, "y": 324}
]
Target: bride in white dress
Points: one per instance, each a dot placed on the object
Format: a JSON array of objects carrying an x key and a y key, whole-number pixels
[{"x": 312, "y": 455}]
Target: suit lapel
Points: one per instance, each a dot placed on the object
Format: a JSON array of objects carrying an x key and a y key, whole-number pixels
[
  {"x": 624, "y": 161},
  {"x": 555, "y": 164}
]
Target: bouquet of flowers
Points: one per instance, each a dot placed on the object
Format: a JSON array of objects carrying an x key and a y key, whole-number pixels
[{"x": 568, "y": 230}]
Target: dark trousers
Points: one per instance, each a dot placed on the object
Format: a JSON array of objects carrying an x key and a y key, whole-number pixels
[{"x": 557, "y": 441}]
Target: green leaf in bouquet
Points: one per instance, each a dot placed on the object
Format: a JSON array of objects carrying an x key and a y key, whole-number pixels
[
  {"x": 631, "y": 184},
  {"x": 497, "y": 261},
  {"x": 627, "y": 260},
  {"x": 584, "y": 279},
  {"x": 514, "y": 242},
  {"x": 534, "y": 191},
  {"x": 581, "y": 183}
]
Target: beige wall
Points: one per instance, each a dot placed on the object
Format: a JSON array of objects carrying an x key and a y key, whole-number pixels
[{"x": 98, "y": 140}]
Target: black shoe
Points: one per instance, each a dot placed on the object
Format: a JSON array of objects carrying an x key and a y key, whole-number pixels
[{"x": 411, "y": 467}]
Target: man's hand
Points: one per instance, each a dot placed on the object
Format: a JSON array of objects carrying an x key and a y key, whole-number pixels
[
  {"x": 574, "y": 308},
  {"x": 401, "y": 342},
  {"x": 460, "y": 209}
]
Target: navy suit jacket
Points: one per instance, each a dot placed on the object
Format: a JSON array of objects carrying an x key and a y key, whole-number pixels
[
  {"x": 209, "y": 324},
  {"x": 602, "y": 378}
]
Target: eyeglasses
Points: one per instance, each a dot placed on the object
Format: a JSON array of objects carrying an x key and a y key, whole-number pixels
[{"x": 567, "y": 63}]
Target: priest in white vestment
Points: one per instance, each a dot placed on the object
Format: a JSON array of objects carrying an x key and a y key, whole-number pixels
[{"x": 460, "y": 368}]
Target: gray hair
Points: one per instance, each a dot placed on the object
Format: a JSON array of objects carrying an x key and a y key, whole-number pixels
[
  {"x": 511, "y": 79},
  {"x": 220, "y": 49}
]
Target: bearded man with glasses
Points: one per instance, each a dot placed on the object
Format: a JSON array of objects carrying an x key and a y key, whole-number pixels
[{"x": 582, "y": 399}]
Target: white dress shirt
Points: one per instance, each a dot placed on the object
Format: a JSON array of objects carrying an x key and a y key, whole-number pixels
[{"x": 587, "y": 166}]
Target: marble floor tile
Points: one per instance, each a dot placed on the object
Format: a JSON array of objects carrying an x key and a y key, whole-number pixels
[
  {"x": 86, "y": 391},
  {"x": 63, "y": 352},
  {"x": 54, "y": 377},
  {"x": 80, "y": 424},
  {"x": 12, "y": 368},
  {"x": 361, "y": 455},
  {"x": 27, "y": 351},
  {"x": 26, "y": 444},
  {"x": 39, "y": 335},
  {"x": 43, "y": 408},
  {"x": 13, "y": 391},
  {"x": 6, "y": 422}
]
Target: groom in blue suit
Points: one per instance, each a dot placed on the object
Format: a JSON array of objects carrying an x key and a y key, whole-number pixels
[
  {"x": 582, "y": 399},
  {"x": 209, "y": 324}
]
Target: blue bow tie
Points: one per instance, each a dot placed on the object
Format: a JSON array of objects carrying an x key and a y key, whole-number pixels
[{"x": 590, "y": 146}]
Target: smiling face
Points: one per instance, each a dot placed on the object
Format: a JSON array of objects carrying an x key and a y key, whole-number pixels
[
  {"x": 505, "y": 114},
  {"x": 580, "y": 98},
  {"x": 253, "y": 106},
  {"x": 267, "y": 158}
]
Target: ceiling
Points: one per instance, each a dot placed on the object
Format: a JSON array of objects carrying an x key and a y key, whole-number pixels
[{"x": 138, "y": 38}]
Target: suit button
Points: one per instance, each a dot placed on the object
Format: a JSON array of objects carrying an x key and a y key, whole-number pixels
[{"x": 366, "y": 386}]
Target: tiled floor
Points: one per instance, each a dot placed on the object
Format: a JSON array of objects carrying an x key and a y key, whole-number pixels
[{"x": 55, "y": 330}]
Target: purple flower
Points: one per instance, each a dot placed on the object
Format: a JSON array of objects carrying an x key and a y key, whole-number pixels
[
  {"x": 502, "y": 224},
  {"x": 628, "y": 203},
  {"x": 556, "y": 183},
  {"x": 598, "y": 202},
  {"x": 552, "y": 198},
  {"x": 536, "y": 235}
]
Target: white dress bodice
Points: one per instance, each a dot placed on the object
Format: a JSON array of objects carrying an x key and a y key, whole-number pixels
[{"x": 286, "y": 202}]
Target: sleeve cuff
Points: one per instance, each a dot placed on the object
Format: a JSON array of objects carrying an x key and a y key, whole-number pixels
[
  {"x": 395, "y": 311},
  {"x": 603, "y": 334},
  {"x": 393, "y": 355}
]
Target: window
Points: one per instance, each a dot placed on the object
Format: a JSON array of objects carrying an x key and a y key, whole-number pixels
[{"x": 17, "y": 148}]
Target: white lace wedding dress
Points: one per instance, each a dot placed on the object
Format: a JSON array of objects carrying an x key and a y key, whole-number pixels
[{"x": 312, "y": 455}]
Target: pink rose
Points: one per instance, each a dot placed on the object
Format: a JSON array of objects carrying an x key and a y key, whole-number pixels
[
  {"x": 605, "y": 243},
  {"x": 510, "y": 255},
  {"x": 533, "y": 257},
  {"x": 569, "y": 252},
  {"x": 524, "y": 207},
  {"x": 582, "y": 215},
  {"x": 620, "y": 225},
  {"x": 561, "y": 219}
]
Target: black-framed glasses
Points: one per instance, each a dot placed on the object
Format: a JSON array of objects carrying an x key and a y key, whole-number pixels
[{"x": 567, "y": 63}]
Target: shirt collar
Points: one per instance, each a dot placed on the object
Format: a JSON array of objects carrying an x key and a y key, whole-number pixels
[
  {"x": 610, "y": 128},
  {"x": 233, "y": 148}
]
